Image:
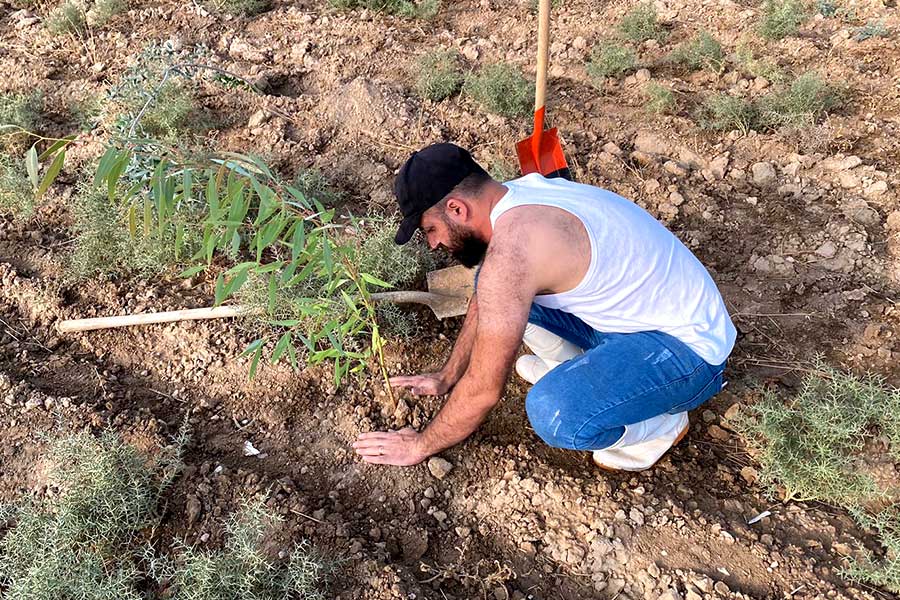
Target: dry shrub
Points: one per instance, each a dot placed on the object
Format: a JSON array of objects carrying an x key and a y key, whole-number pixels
[
  {"x": 640, "y": 24},
  {"x": 609, "y": 59},
  {"x": 782, "y": 18},
  {"x": 439, "y": 75},
  {"x": 501, "y": 88},
  {"x": 660, "y": 99},
  {"x": 703, "y": 51}
]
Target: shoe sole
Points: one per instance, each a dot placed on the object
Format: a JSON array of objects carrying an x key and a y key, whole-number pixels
[{"x": 680, "y": 437}]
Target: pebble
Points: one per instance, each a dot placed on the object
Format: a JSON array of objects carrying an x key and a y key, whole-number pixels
[
  {"x": 439, "y": 467},
  {"x": 718, "y": 433},
  {"x": 763, "y": 174}
]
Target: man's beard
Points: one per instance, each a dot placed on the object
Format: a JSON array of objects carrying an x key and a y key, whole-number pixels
[{"x": 466, "y": 247}]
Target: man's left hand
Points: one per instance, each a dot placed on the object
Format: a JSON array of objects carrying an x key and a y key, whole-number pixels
[{"x": 401, "y": 448}]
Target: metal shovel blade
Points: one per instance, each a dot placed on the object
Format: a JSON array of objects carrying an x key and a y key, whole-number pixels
[
  {"x": 547, "y": 158},
  {"x": 448, "y": 295}
]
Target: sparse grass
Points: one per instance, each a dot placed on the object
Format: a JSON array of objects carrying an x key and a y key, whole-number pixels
[
  {"x": 884, "y": 571},
  {"x": 243, "y": 568},
  {"x": 439, "y": 75},
  {"x": 660, "y": 99},
  {"x": 703, "y": 51},
  {"x": 242, "y": 8},
  {"x": 172, "y": 114},
  {"x": 782, "y": 18},
  {"x": 640, "y": 24},
  {"x": 378, "y": 255},
  {"x": 811, "y": 444},
  {"x": 501, "y": 88},
  {"x": 396, "y": 320},
  {"x": 827, "y": 8},
  {"x": 724, "y": 113},
  {"x": 105, "y": 245},
  {"x": 503, "y": 170},
  {"x": 102, "y": 11},
  {"x": 609, "y": 59},
  {"x": 759, "y": 66},
  {"x": 68, "y": 17},
  {"x": 17, "y": 111},
  {"x": 16, "y": 195},
  {"x": 872, "y": 29},
  {"x": 314, "y": 185},
  {"x": 424, "y": 9},
  {"x": 801, "y": 104},
  {"x": 77, "y": 543}
]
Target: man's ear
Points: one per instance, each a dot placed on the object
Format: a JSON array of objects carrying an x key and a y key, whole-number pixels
[{"x": 457, "y": 210}]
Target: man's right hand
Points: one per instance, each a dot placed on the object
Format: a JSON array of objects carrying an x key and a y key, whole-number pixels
[{"x": 426, "y": 384}]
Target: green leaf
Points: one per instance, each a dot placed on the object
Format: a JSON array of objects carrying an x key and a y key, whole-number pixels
[
  {"x": 106, "y": 163},
  {"x": 115, "y": 172},
  {"x": 284, "y": 322},
  {"x": 51, "y": 174},
  {"x": 254, "y": 346},
  {"x": 31, "y": 165},
  {"x": 241, "y": 267},
  {"x": 57, "y": 145},
  {"x": 298, "y": 240},
  {"x": 280, "y": 347},
  {"x": 326, "y": 257},
  {"x": 372, "y": 280},
  {"x": 192, "y": 271},
  {"x": 220, "y": 289},
  {"x": 292, "y": 356},
  {"x": 255, "y": 362},
  {"x": 272, "y": 295}
]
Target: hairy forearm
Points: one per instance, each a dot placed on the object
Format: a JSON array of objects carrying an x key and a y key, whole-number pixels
[
  {"x": 465, "y": 410},
  {"x": 458, "y": 362}
]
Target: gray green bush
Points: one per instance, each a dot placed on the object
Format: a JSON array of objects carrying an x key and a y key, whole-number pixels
[
  {"x": 781, "y": 18},
  {"x": 802, "y": 103},
  {"x": 872, "y": 29},
  {"x": 241, "y": 8},
  {"x": 724, "y": 113},
  {"x": 439, "y": 74},
  {"x": 312, "y": 183},
  {"x": 16, "y": 195},
  {"x": 609, "y": 59},
  {"x": 640, "y": 24},
  {"x": 501, "y": 88},
  {"x": 660, "y": 99},
  {"x": 18, "y": 111},
  {"x": 703, "y": 51},
  {"x": 424, "y": 9},
  {"x": 68, "y": 17}
]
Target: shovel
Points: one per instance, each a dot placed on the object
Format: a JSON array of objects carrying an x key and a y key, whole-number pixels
[
  {"x": 449, "y": 291},
  {"x": 541, "y": 152}
]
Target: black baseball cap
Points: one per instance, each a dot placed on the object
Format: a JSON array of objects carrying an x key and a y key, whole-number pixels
[{"x": 426, "y": 177}]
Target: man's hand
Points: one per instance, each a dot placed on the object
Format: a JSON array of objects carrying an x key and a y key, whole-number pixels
[
  {"x": 402, "y": 448},
  {"x": 427, "y": 384}
]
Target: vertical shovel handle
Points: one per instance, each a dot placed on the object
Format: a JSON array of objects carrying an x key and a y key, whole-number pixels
[{"x": 543, "y": 56}]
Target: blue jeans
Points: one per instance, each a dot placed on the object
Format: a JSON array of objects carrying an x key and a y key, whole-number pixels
[{"x": 622, "y": 378}]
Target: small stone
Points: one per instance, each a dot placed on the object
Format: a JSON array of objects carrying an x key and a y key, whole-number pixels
[
  {"x": 429, "y": 492},
  {"x": 827, "y": 250},
  {"x": 439, "y": 516},
  {"x": 192, "y": 509},
  {"x": 718, "y": 165},
  {"x": 674, "y": 168},
  {"x": 650, "y": 143},
  {"x": 749, "y": 474},
  {"x": 579, "y": 43},
  {"x": 848, "y": 180},
  {"x": 709, "y": 416},
  {"x": 718, "y": 433},
  {"x": 642, "y": 75},
  {"x": 876, "y": 189},
  {"x": 439, "y": 467},
  {"x": 500, "y": 593},
  {"x": 676, "y": 199},
  {"x": 670, "y": 594},
  {"x": 722, "y": 588},
  {"x": 733, "y": 412},
  {"x": 636, "y": 516},
  {"x": 653, "y": 570},
  {"x": 470, "y": 52},
  {"x": 612, "y": 149},
  {"x": 257, "y": 119},
  {"x": 763, "y": 174},
  {"x": 463, "y": 532}
]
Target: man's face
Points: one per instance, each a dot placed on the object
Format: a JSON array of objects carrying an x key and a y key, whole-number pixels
[{"x": 459, "y": 240}]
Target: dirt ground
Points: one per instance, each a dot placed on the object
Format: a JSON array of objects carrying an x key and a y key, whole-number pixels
[{"x": 805, "y": 248}]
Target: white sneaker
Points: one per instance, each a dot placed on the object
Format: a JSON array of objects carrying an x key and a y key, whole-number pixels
[
  {"x": 643, "y": 443},
  {"x": 531, "y": 368},
  {"x": 549, "y": 346}
]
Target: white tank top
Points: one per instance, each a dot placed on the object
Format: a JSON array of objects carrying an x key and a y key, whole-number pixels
[{"x": 640, "y": 278}]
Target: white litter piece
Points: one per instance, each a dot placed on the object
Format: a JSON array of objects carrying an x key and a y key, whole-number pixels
[
  {"x": 759, "y": 517},
  {"x": 249, "y": 450}
]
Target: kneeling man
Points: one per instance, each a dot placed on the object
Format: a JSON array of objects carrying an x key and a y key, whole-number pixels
[{"x": 628, "y": 330}]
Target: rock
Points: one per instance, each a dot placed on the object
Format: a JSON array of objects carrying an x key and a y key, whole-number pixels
[
  {"x": 848, "y": 180},
  {"x": 192, "y": 509},
  {"x": 244, "y": 50},
  {"x": 718, "y": 433},
  {"x": 463, "y": 532},
  {"x": 709, "y": 416},
  {"x": 674, "y": 168},
  {"x": 439, "y": 467},
  {"x": 439, "y": 516},
  {"x": 749, "y": 474},
  {"x": 859, "y": 211},
  {"x": 876, "y": 189},
  {"x": 722, "y": 588},
  {"x": 500, "y": 593},
  {"x": 733, "y": 412},
  {"x": 643, "y": 158},
  {"x": 841, "y": 163},
  {"x": 612, "y": 148},
  {"x": 257, "y": 119},
  {"x": 763, "y": 174},
  {"x": 470, "y": 52},
  {"x": 579, "y": 43},
  {"x": 642, "y": 75},
  {"x": 670, "y": 594},
  {"x": 636, "y": 516},
  {"x": 649, "y": 143},
  {"x": 34, "y": 401},
  {"x": 827, "y": 250},
  {"x": 718, "y": 165},
  {"x": 691, "y": 159},
  {"x": 676, "y": 199}
]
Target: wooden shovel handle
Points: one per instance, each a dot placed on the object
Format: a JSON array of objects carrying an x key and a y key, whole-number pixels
[
  {"x": 191, "y": 314},
  {"x": 406, "y": 297},
  {"x": 543, "y": 56}
]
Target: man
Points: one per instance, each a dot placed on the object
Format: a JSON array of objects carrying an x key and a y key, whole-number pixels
[{"x": 627, "y": 327}]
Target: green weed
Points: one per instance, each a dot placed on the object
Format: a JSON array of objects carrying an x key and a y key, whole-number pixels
[
  {"x": 640, "y": 24},
  {"x": 241, "y": 8},
  {"x": 703, "y": 51},
  {"x": 397, "y": 321},
  {"x": 782, "y": 18},
  {"x": 884, "y": 571},
  {"x": 609, "y": 59},
  {"x": 872, "y": 29},
  {"x": 243, "y": 568},
  {"x": 501, "y": 88},
  {"x": 18, "y": 111},
  {"x": 171, "y": 114},
  {"x": 811, "y": 444},
  {"x": 424, "y": 9},
  {"x": 16, "y": 195},
  {"x": 102, "y": 11},
  {"x": 801, "y": 104},
  {"x": 827, "y": 8},
  {"x": 439, "y": 75},
  {"x": 68, "y": 17},
  {"x": 758, "y": 66},
  {"x": 378, "y": 255},
  {"x": 724, "y": 113},
  {"x": 660, "y": 99},
  {"x": 313, "y": 184}
]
